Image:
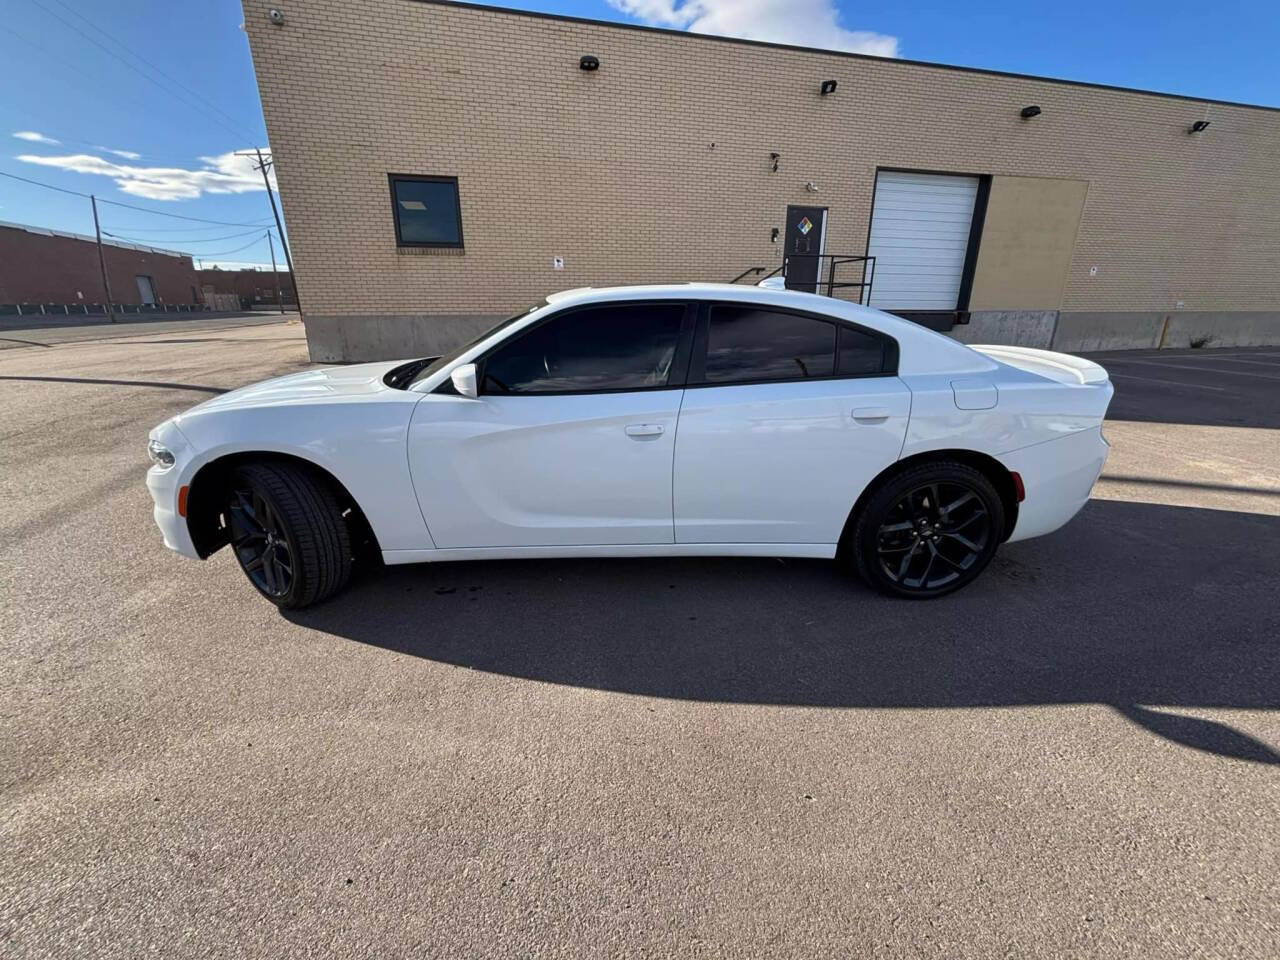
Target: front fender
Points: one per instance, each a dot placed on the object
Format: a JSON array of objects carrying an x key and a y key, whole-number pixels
[{"x": 363, "y": 445}]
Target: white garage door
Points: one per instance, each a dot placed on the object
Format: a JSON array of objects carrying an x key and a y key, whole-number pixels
[{"x": 919, "y": 233}]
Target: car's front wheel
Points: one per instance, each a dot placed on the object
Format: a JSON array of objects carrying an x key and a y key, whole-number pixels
[
  {"x": 287, "y": 532},
  {"x": 928, "y": 530}
]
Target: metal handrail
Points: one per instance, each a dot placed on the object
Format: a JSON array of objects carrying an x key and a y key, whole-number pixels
[
  {"x": 837, "y": 259},
  {"x": 746, "y": 272},
  {"x": 830, "y": 285}
]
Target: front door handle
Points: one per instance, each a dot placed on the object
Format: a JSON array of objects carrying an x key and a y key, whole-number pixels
[
  {"x": 870, "y": 414},
  {"x": 644, "y": 431}
]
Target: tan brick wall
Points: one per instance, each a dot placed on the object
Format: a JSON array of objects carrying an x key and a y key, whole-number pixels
[{"x": 616, "y": 172}]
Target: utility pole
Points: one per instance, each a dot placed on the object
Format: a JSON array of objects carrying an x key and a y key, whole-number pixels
[
  {"x": 102, "y": 261},
  {"x": 272, "y": 247},
  {"x": 263, "y": 164}
]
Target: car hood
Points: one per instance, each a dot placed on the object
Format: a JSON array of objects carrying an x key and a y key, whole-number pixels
[{"x": 363, "y": 380}]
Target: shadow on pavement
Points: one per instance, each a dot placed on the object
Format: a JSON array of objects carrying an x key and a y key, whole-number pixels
[
  {"x": 159, "y": 384},
  {"x": 1132, "y": 605}
]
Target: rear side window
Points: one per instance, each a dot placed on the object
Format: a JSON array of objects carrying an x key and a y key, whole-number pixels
[
  {"x": 746, "y": 343},
  {"x": 860, "y": 353},
  {"x": 612, "y": 347}
]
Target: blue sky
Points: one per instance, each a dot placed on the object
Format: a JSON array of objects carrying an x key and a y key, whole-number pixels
[{"x": 159, "y": 129}]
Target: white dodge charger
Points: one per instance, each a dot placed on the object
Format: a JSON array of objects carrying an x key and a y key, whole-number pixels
[{"x": 676, "y": 420}]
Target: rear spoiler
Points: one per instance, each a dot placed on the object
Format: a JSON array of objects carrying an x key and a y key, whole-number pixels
[{"x": 1062, "y": 367}]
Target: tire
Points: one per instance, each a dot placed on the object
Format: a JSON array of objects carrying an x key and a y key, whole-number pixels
[
  {"x": 928, "y": 530},
  {"x": 287, "y": 532}
]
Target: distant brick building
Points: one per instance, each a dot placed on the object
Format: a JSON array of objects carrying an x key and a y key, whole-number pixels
[
  {"x": 39, "y": 266},
  {"x": 253, "y": 287}
]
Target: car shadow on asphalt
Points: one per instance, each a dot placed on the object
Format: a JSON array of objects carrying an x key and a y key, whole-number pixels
[{"x": 1139, "y": 606}]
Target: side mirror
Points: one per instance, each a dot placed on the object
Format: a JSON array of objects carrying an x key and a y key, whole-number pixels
[{"x": 464, "y": 380}]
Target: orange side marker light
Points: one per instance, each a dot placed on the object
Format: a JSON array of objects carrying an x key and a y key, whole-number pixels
[{"x": 182, "y": 501}]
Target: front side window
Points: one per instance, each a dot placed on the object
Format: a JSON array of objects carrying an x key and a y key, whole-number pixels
[
  {"x": 746, "y": 343},
  {"x": 613, "y": 347},
  {"x": 427, "y": 212}
]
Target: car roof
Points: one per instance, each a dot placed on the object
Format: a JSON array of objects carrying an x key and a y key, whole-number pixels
[{"x": 662, "y": 290}]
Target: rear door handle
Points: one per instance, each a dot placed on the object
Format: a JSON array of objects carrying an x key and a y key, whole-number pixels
[
  {"x": 644, "y": 431},
  {"x": 870, "y": 414}
]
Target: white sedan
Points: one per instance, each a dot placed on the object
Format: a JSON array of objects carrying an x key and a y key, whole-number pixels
[{"x": 675, "y": 420}]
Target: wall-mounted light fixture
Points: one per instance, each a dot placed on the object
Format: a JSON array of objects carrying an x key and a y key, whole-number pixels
[
  {"x": 773, "y": 235},
  {"x": 775, "y": 157},
  {"x": 589, "y": 63},
  {"x": 811, "y": 187},
  {"x": 828, "y": 86},
  {"x": 1028, "y": 112},
  {"x": 1199, "y": 126}
]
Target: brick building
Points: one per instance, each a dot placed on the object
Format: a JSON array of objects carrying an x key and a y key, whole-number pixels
[
  {"x": 443, "y": 163},
  {"x": 39, "y": 266},
  {"x": 252, "y": 287}
]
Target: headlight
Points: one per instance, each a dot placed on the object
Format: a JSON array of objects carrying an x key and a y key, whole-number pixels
[{"x": 160, "y": 455}]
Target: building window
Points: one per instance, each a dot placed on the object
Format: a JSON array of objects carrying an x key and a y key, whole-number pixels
[{"x": 427, "y": 211}]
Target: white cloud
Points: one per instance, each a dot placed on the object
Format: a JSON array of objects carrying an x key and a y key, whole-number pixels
[
  {"x": 33, "y": 137},
  {"x": 806, "y": 23},
  {"x": 225, "y": 173},
  {"x": 127, "y": 154}
]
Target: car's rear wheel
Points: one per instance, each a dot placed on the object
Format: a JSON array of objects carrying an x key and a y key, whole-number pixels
[
  {"x": 928, "y": 530},
  {"x": 287, "y": 532}
]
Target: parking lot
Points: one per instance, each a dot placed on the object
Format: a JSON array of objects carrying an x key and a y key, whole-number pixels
[{"x": 1079, "y": 755}]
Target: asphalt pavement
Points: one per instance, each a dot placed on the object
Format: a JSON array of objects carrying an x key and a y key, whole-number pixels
[{"x": 1078, "y": 755}]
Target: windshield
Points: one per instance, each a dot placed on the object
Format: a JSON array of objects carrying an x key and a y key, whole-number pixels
[{"x": 441, "y": 362}]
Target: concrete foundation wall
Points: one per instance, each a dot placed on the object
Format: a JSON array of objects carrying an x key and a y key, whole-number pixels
[
  {"x": 1021, "y": 328},
  {"x": 1223, "y": 330},
  {"x": 1088, "y": 332},
  {"x": 357, "y": 339},
  {"x": 1093, "y": 332}
]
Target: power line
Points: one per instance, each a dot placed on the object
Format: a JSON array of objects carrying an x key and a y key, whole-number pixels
[
  {"x": 187, "y": 100},
  {"x": 47, "y": 186},
  {"x": 186, "y": 240},
  {"x": 260, "y": 224},
  {"x": 178, "y": 216},
  {"x": 129, "y": 206},
  {"x": 210, "y": 256}
]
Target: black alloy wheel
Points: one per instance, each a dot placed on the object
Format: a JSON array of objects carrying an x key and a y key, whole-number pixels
[
  {"x": 260, "y": 543},
  {"x": 929, "y": 531},
  {"x": 288, "y": 532}
]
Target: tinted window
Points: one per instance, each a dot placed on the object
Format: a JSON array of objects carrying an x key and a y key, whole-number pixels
[
  {"x": 746, "y": 343},
  {"x": 627, "y": 347},
  {"x": 860, "y": 353},
  {"x": 426, "y": 211}
]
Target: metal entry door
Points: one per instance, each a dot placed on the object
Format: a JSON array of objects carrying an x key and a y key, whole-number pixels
[{"x": 806, "y": 227}]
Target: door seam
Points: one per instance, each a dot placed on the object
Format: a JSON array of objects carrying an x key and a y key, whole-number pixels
[{"x": 675, "y": 440}]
